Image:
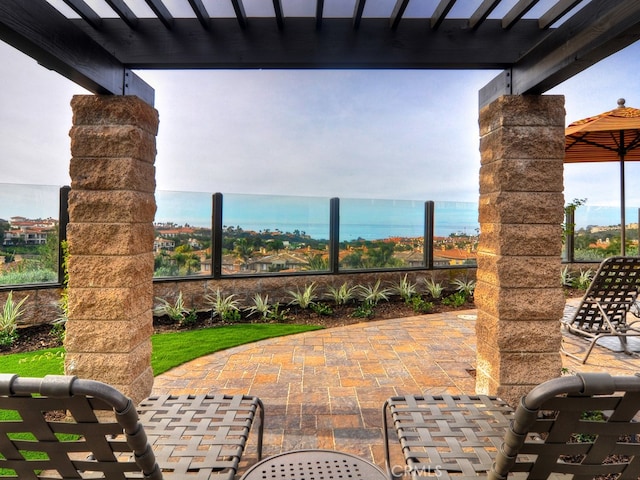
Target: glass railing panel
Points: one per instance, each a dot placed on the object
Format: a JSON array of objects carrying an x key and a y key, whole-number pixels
[
  {"x": 378, "y": 234},
  {"x": 266, "y": 234},
  {"x": 597, "y": 232},
  {"x": 182, "y": 242},
  {"x": 29, "y": 232},
  {"x": 455, "y": 238}
]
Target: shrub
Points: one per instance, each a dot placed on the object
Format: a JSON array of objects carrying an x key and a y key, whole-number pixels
[
  {"x": 373, "y": 294},
  {"x": 364, "y": 310},
  {"x": 177, "y": 311},
  {"x": 434, "y": 289},
  {"x": 278, "y": 315},
  {"x": 11, "y": 312},
  {"x": 405, "y": 288},
  {"x": 583, "y": 280},
  {"x": 466, "y": 287},
  {"x": 224, "y": 307},
  {"x": 420, "y": 305},
  {"x": 343, "y": 294},
  {"x": 322, "y": 309},
  {"x": 305, "y": 298},
  {"x": 456, "y": 300},
  {"x": 565, "y": 277},
  {"x": 261, "y": 306}
]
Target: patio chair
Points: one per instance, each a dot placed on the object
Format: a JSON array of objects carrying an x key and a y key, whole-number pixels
[
  {"x": 583, "y": 425},
  {"x": 606, "y": 303},
  {"x": 64, "y": 427},
  {"x": 580, "y": 425}
]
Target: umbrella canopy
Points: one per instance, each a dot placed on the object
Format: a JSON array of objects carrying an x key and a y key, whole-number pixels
[{"x": 612, "y": 136}]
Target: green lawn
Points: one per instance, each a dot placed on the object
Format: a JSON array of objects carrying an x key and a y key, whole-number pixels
[{"x": 169, "y": 349}]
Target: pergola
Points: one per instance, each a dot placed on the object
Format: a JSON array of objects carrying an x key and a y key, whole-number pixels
[{"x": 99, "y": 43}]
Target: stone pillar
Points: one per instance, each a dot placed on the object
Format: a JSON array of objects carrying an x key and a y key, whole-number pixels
[
  {"x": 110, "y": 234},
  {"x": 518, "y": 294}
]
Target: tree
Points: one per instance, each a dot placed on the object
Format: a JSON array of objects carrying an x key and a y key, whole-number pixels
[
  {"x": 243, "y": 249},
  {"x": 316, "y": 262}
]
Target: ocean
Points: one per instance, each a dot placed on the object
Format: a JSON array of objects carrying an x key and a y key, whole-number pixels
[{"x": 369, "y": 219}]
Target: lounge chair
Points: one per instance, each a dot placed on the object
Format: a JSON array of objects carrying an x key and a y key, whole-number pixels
[
  {"x": 580, "y": 425},
  {"x": 606, "y": 303},
  {"x": 62, "y": 426}
]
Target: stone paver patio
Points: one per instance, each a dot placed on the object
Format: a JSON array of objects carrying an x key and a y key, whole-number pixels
[{"x": 325, "y": 389}]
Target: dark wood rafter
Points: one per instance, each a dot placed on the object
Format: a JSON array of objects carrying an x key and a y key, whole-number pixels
[
  {"x": 396, "y": 14},
  {"x": 124, "y": 12},
  {"x": 101, "y": 52},
  {"x": 241, "y": 15},
  {"x": 336, "y": 45},
  {"x": 556, "y": 12},
  {"x": 441, "y": 12},
  {"x": 201, "y": 13},
  {"x": 161, "y": 12},
  {"x": 482, "y": 12},
  {"x": 595, "y": 32},
  {"x": 85, "y": 12},
  {"x": 517, "y": 12},
  {"x": 357, "y": 13},
  {"x": 319, "y": 13},
  {"x": 64, "y": 48},
  {"x": 277, "y": 8},
  {"x": 598, "y": 30}
]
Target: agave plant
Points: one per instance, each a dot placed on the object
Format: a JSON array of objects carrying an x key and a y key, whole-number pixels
[
  {"x": 11, "y": 312},
  {"x": 224, "y": 307},
  {"x": 405, "y": 288},
  {"x": 304, "y": 298},
  {"x": 373, "y": 294},
  {"x": 435, "y": 289},
  {"x": 565, "y": 276},
  {"x": 177, "y": 311},
  {"x": 261, "y": 306},
  {"x": 341, "y": 295},
  {"x": 584, "y": 279},
  {"x": 174, "y": 311},
  {"x": 465, "y": 287}
]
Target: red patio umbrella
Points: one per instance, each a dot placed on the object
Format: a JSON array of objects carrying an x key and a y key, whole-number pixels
[{"x": 612, "y": 136}]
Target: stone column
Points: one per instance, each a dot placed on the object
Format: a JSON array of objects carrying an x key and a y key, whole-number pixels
[
  {"x": 110, "y": 234},
  {"x": 518, "y": 294}
]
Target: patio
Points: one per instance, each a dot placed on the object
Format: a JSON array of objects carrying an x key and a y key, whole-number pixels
[{"x": 325, "y": 389}]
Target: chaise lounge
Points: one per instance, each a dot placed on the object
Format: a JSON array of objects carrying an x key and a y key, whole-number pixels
[{"x": 603, "y": 310}]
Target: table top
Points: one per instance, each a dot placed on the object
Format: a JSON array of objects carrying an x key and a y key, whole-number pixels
[{"x": 310, "y": 464}]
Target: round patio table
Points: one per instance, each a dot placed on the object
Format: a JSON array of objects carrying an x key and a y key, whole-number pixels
[{"x": 310, "y": 464}]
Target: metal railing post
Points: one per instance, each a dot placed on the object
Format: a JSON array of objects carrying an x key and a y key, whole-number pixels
[
  {"x": 334, "y": 235},
  {"x": 63, "y": 221},
  {"x": 429, "y": 226},
  {"x": 569, "y": 235},
  {"x": 216, "y": 235}
]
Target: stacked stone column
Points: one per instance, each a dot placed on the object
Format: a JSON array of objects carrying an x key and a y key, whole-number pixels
[
  {"x": 518, "y": 295},
  {"x": 110, "y": 235}
]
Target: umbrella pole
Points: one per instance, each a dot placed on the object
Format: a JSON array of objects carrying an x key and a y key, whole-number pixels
[{"x": 623, "y": 239}]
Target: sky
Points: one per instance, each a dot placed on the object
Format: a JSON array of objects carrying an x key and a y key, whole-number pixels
[{"x": 406, "y": 135}]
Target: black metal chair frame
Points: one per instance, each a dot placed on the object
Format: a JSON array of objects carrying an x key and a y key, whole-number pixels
[
  {"x": 456, "y": 436},
  {"x": 603, "y": 310},
  {"x": 187, "y": 436}
]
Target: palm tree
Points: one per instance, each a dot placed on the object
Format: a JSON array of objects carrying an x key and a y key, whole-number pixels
[{"x": 243, "y": 249}]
